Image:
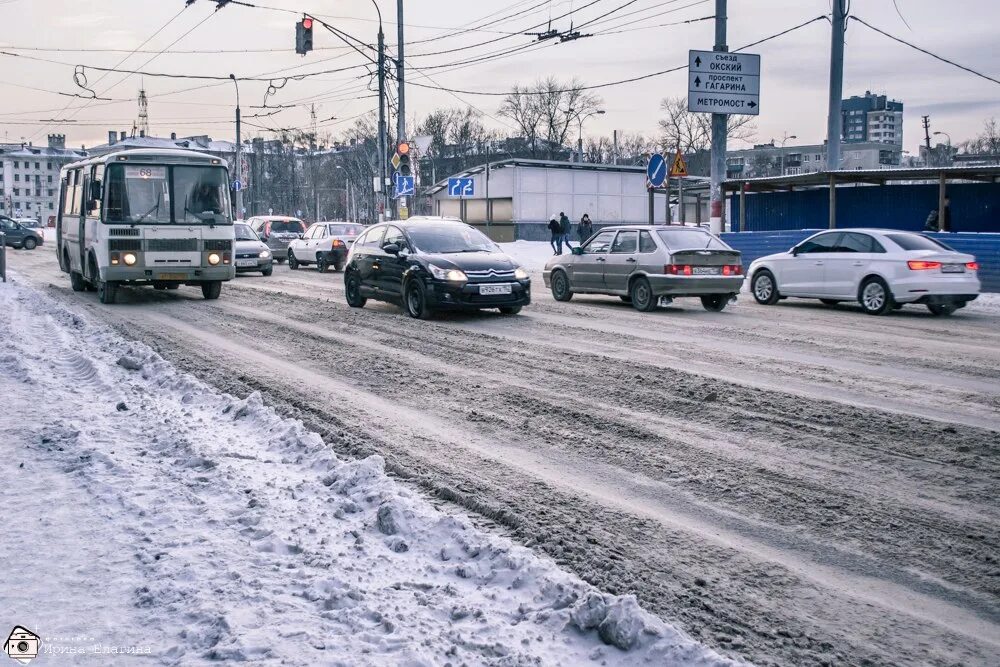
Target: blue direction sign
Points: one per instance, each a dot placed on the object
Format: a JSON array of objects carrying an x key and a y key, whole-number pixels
[
  {"x": 461, "y": 187},
  {"x": 656, "y": 170},
  {"x": 237, "y": 185},
  {"x": 404, "y": 185}
]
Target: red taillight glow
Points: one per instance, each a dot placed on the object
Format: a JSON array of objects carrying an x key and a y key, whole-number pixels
[
  {"x": 677, "y": 269},
  {"x": 337, "y": 243},
  {"x": 732, "y": 270},
  {"x": 920, "y": 265},
  {"x": 972, "y": 266}
]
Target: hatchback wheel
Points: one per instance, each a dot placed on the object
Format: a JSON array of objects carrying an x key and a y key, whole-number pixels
[
  {"x": 875, "y": 297},
  {"x": 560, "y": 286},
  {"x": 293, "y": 263},
  {"x": 715, "y": 303},
  {"x": 29, "y": 243},
  {"x": 268, "y": 271},
  {"x": 352, "y": 289},
  {"x": 765, "y": 290},
  {"x": 941, "y": 309},
  {"x": 642, "y": 295},
  {"x": 321, "y": 264},
  {"x": 416, "y": 300}
]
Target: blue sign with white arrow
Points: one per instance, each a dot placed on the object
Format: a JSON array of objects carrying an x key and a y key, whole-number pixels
[
  {"x": 656, "y": 170},
  {"x": 461, "y": 187},
  {"x": 237, "y": 185},
  {"x": 404, "y": 186}
]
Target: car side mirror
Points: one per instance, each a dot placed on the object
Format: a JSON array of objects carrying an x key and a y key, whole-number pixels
[
  {"x": 577, "y": 250},
  {"x": 391, "y": 248},
  {"x": 794, "y": 250}
]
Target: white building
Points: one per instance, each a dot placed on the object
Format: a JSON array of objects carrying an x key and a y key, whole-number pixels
[
  {"x": 524, "y": 194},
  {"x": 29, "y": 177}
]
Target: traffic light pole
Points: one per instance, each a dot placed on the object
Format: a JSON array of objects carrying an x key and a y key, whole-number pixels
[{"x": 400, "y": 67}]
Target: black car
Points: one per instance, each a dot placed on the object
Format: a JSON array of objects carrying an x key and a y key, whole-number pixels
[
  {"x": 17, "y": 235},
  {"x": 433, "y": 266}
]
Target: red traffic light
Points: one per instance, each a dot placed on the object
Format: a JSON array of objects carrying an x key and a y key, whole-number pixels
[
  {"x": 403, "y": 148},
  {"x": 307, "y": 23}
]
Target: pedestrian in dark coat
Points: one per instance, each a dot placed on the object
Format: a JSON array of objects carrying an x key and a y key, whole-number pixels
[
  {"x": 933, "y": 224},
  {"x": 564, "y": 226},
  {"x": 556, "y": 241},
  {"x": 585, "y": 228}
]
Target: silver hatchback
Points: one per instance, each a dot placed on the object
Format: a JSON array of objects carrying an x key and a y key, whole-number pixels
[{"x": 649, "y": 266}]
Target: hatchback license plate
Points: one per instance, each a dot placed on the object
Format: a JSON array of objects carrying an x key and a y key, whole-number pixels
[
  {"x": 172, "y": 276},
  {"x": 952, "y": 268},
  {"x": 495, "y": 289},
  {"x": 246, "y": 262},
  {"x": 705, "y": 270}
]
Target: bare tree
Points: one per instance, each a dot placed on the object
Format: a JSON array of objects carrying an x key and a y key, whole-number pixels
[
  {"x": 547, "y": 109},
  {"x": 692, "y": 132},
  {"x": 986, "y": 143},
  {"x": 632, "y": 149}
]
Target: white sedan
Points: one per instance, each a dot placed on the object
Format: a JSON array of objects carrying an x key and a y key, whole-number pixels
[{"x": 881, "y": 269}]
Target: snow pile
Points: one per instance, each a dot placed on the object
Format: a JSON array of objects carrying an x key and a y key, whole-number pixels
[
  {"x": 211, "y": 528},
  {"x": 532, "y": 255}
]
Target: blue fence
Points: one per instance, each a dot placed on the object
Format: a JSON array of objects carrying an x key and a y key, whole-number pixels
[
  {"x": 985, "y": 247},
  {"x": 975, "y": 207}
]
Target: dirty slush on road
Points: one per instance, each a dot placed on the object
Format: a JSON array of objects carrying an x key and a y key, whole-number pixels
[{"x": 776, "y": 526}]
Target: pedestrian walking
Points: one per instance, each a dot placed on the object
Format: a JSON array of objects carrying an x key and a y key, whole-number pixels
[
  {"x": 564, "y": 227},
  {"x": 585, "y": 228},
  {"x": 556, "y": 230},
  {"x": 933, "y": 224}
]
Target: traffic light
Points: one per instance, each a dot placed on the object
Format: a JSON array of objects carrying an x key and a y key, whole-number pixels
[
  {"x": 304, "y": 36},
  {"x": 403, "y": 150}
]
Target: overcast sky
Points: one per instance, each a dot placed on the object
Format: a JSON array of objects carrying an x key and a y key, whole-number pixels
[{"x": 795, "y": 67}]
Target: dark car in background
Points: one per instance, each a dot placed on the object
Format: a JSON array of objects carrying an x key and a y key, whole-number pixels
[
  {"x": 429, "y": 266},
  {"x": 17, "y": 235},
  {"x": 277, "y": 231}
]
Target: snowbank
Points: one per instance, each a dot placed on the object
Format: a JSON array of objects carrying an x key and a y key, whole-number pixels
[
  {"x": 160, "y": 517},
  {"x": 532, "y": 255}
]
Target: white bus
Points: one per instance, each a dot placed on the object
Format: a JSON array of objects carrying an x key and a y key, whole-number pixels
[{"x": 146, "y": 217}]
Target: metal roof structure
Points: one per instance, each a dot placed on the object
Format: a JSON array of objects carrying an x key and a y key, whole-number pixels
[{"x": 987, "y": 174}]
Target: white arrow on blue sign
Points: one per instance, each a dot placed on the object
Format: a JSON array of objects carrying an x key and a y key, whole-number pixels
[
  {"x": 237, "y": 185},
  {"x": 656, "y": 170},
  {"x": 461, "y": 187}
]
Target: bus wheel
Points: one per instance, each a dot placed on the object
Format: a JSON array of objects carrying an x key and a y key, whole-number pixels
[
  {"x": 77, "y": 282},
  {"x": 211, "y": 290},
  {"x": 107, "y": 291}
]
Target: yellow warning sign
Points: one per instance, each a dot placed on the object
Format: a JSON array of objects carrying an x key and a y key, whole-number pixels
[{"x": 679, "y": 167}]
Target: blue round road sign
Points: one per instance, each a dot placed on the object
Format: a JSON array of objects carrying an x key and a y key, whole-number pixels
[
  {"x": 656, "y": 170},
  {"x": 237, "y": 185}
]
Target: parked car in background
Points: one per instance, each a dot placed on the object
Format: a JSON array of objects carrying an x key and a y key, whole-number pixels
[
  {"x": 250, "y": 253},
  {"x": 649, "y": 265},
  {"x": 881, "y": 269},
  {"x": 17, "y": 235},
  {"x": 30, "y": 223},
  {"x": 277, "y": 231},
  {"x": 324, "y": 244},
  {"x": 428, "y": 266}
]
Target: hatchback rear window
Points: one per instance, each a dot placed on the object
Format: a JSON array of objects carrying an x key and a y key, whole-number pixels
[
  {"x": 916, "y": 242},
  {"x": 686, "y": 239},
  {"x": 344, "y": 230},
  {"x": 287, "y": 227}
]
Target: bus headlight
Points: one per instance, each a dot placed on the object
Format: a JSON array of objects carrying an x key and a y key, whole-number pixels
[
  {"x": 130, "y": 259},
  {"x": 214, "y": 258}
]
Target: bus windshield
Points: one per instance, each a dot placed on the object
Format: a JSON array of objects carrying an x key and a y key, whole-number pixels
[{"x": 158, "y": 194}]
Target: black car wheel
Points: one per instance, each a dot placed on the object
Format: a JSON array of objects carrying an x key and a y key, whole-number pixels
[
  {"x": 642, "y": 295},
  {"x": 211, "y": 290},
  {"x": 764, "y": 288},
  {"x": 415, "y": 300},
  {"x": 352, "y": 290},
  {"x": 941, "y": 309},
  {"x": 77, "y": 282},
  {"x": 267, "y": 271},
  {"x": 715, "y": 303},
  {"x": 30, "y": 243},
  {"x": 293, "y": 263},
  {"x": 560, "y": 286},
  {"x": 875, "y": 297},
  {"x": 510, "y": 310},
  {"x": 321, "y": 263},
  {"x": 338, "y": 267}
]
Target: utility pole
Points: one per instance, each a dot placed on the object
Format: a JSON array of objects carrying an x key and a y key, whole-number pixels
[
  {"x": 720, "y": 126},
  {"x": 927, "y": 135},
  {"x": 313, "y": 145},
  {"x": 239, "y": 153},
  {"x": 400, "y": 67},
  {"x": 382, "y": 173},
  {"x": 835, "y": 121}
]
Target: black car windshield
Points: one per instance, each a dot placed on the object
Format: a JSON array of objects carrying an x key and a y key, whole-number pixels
[
  {"x": 244, "y": 233},
  {"x": 447, "y": 239},
  {"x": 287, "y": 227},
  {"x": 138, "y": 193},
  {"x": 916, "y": 242},
  {"x": 685, "y": 239},
  {"x": 344, "y": 230}
]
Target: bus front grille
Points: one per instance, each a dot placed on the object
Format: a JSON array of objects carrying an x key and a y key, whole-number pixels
[
  {"x": 218, "y": 245},
  {"x": 172, "y": 245},
  {"x": 125, "y": 245}
]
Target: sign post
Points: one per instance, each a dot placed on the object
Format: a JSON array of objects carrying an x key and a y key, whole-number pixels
[{"x": 724, "y": 83}]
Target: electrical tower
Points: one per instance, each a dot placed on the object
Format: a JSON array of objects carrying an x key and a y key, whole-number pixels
[{"x": 143, "y": 113}]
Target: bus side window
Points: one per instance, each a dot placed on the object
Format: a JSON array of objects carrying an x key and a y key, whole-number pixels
[
  {"x": 97, "y": 180},
  {"x": 70, "y": 198},
  {"x": 114, "y": 188}
]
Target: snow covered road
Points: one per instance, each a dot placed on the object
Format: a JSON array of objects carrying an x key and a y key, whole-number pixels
[{"x": 790, "y": 485}]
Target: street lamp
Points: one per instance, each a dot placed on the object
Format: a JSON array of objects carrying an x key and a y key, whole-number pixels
[
  {"x": 580, "y": 118},
  {"x": 783, "y": 141},
  {"x": 239, "y": 153}
]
